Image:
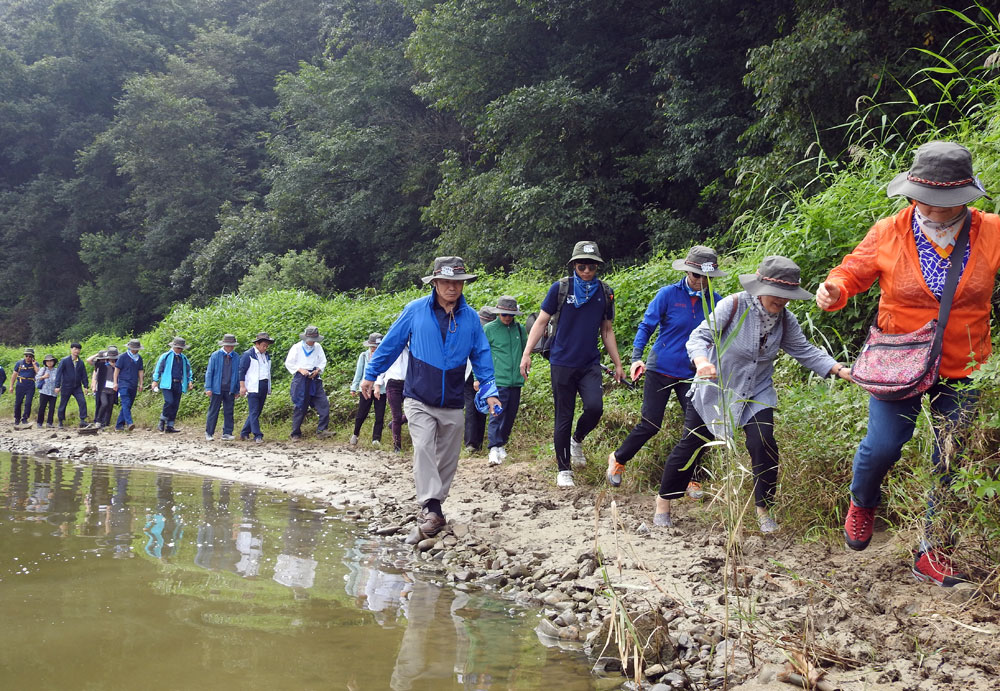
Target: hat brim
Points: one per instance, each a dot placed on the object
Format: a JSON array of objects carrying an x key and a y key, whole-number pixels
[
  {"x": 182, "y": 347},
  {"x": 757, "y": 288},
  {"x": 578, "y": 257},
  {"x": 264, "y": 340},
  {"x": 225, "y": 343},
  {"x": 138, "y": 347},
  {"x": 932, "y": 196},
  {"x": 468, "y": 278},
  {"x": 317, "y": 338},
  {"x": 501, "y": 311},
  {"x": 681, "y": 265}
]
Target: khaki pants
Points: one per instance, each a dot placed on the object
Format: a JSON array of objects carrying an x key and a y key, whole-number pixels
[{"x": 437, "y": 441}]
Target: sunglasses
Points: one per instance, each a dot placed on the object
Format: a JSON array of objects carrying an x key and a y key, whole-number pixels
[{"x": 583, "y": 266}]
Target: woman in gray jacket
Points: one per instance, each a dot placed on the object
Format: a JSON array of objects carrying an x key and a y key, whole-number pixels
[{"x": 739, "y": 391}]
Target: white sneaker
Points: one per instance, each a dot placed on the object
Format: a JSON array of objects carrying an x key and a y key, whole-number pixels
[
  {"x": 208, "y": 437},
  {"x": 495, "y": 456},
  {"x": 376, "y": 444},
  {"x": 576, "y": 456},
  {"x": 565, "y": 479},
  {"x": 503, "y": 453},
  {"x": 228, "y": 437},
  {"x": 354, "y": 440}
]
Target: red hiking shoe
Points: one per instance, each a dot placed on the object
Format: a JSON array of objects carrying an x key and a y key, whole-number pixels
[
  {"x": 936, "y": 567},
  {"x": 858, "y": 527}
]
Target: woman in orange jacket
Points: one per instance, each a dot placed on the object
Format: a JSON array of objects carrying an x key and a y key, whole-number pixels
[{"x": 908, "y": 254}]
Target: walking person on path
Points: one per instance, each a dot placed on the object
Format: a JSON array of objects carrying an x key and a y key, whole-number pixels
[
  {"x": 443, "y": 332},
  {"x": 306, "y": 362},
  {"x": 365, "y": 404},
  {"x": 507, "y": 339},
  {"x": 255, "y": 384},
  {"x": 908, "y": 254},
  {"x": 584, "y": 310},
  {"x": 23, "y": 387},
  {"x": 105, "y": 395},
  {"x": 739, "y": 391},
  {"x": 390, "y": 383},
  {"x": 222, "y": 383},
  {"x": 675, "y": 310},
  {"x": 128, "y": 382},
  {"x": 45, "y": 380},
  {"x": 71, "y": 378},
  {"x": 172, "y": 375}
]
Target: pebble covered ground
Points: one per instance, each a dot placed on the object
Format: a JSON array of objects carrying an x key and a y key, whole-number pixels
[{"x": 706, "y": 615}]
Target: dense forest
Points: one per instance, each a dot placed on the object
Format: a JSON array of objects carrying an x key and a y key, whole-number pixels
[{"x": 172, "y": 151}]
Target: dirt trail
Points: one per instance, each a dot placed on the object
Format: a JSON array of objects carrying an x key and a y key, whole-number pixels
[{"x": 513, "y": 530}]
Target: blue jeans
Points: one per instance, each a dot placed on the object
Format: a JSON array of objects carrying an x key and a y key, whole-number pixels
[
  {"x": 891, "y": 425},
  {"x": 81, "y": 402},
  {"x": 255, "y": 403},
  {"x": 500, "y": 425},
  {"x": 223, "y": 401},
  {"x": 171, "y": 402},
  {"x": 126, "y": 394}
]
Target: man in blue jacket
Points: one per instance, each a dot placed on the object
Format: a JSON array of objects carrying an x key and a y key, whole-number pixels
[
  {"x": 173, "y": 377},
  {"x": 222, "y": 383},
  {"x": 71, "y": 377},
  {"x": 675, "y": 310},
  {"x": 443, "y": 332}
]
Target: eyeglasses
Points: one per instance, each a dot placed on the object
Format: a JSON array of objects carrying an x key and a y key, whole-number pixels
[{"x": 586, "y": 266}]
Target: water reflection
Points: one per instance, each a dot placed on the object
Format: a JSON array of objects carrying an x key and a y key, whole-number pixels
[{"x": 139, "y": 578}]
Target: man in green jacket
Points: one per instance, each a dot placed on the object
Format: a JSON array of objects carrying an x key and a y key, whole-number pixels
[{"x": 507, "y": 339}]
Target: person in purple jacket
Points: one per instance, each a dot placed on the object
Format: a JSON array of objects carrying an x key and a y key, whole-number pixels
[{"x": 675, "y": 310}]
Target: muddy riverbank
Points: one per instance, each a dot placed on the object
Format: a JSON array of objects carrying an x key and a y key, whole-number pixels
[{"x": 861, "y": 616}]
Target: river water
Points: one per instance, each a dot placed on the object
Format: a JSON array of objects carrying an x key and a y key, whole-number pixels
[{"x": 122, "y": 578}]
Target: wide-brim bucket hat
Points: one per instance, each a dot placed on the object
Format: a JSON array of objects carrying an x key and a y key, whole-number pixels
[
  {"x": 229, "y": 339},
  {"x": 49, "y": 358},
  {"x": 374, "y": 339},
  {"x": 29, "y": 351},
  {"x": 311, "y": 334},
  {"x": 450, "y": 268},
  {"x": 507, "y": 304},
  {"x": 178, "y": 342},
  {"x": 700, "y": 260},
  {"x": 776, "y": 276},
  {"x": 134, "y": 343},
  {"x": 263, "y": 336},
  {"x": 111, "y": 353},
  {"x": 941, "y": 175},
  {"x": 586, "y": 249}
]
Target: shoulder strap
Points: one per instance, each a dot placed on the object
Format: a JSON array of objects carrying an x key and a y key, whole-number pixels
[{"x": 951, "y": 284}]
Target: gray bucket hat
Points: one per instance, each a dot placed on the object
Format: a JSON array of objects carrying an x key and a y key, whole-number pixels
[
  {"x": 134, "y": 343},
  {"x": 700, "y": 260},
  {"x": 941, "y": 175},
  {"x": 229, "y": 339},
  {"x": 178, "y": 342},
  {"x": 111, "y": 353},
  {"x": 311, "y": 333},
  {"x": 262, "y": 336},
  {"x": 374, "y": 338},
  {"x": 49, "y": 356},
  {"x": 778, "y": 277},
  {"x": 29, "y": 351},
  {"x": 586, "y": 249},
  {"x": 451, "y": 268},
  {"x": 507, "y": 304},
  {"x": 486, "y": 315}
]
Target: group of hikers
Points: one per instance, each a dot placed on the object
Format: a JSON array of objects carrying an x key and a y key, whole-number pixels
[{"x": 444, "y": 368}]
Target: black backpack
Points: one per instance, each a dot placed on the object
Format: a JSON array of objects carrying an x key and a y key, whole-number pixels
[{"x": 544, "y": 345}]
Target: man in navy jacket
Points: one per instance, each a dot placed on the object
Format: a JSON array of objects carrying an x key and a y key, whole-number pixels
[
  {"x": 222, "y": 383},
  {"x": 443, "y": 332},
  {"x": 71, "y": 377}
]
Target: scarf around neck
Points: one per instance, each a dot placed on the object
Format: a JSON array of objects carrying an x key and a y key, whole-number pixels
[{"x": 583, "y": 290}]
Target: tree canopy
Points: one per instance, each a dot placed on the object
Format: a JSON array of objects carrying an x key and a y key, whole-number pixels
[{"x": 173, "y": 150}]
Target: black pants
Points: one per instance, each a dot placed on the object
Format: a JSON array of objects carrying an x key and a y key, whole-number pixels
[
  {"x": 475, "y": 422},
  {"x": 655, "y": 394},
  {"x": 763, "y": 449},
  {"x": 394, "y": 394},
  {"x": 501, "y": 425},
  {"x": 106, "y": 399},
  {"x": 45, "y": 401},
  {"x": 364, "y": 406},
  {"x": 24, "y": 394},
  {"x": 567, "y": 382},
  {"x": 81, "y": 402}
]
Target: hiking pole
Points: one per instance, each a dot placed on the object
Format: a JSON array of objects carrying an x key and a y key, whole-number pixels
[{"x": 610, "y": 372}]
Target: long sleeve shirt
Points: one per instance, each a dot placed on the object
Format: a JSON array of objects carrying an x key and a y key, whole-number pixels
[{"x": 298, "y": 357}]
